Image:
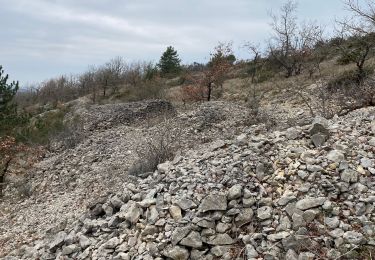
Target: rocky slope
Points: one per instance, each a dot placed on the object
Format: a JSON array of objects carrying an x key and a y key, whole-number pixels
[
  {"x": 263, "y": 195},
  {"x": 64, "y": 184}
]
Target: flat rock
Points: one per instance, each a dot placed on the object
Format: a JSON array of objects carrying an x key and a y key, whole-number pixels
[
  {"x": 220, "y": 239},
  {"x": 335, "y": 156},
  {"x": 193, "y": 240},
  {"x": 309, "y": 203},
  {"x": 278, "y": 236},
  {"x": 176, "y": 253},
  {"x": 213, "y": 202}
]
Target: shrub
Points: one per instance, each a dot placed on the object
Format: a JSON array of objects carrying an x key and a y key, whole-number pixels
[
  {"x": 348, "y": 79},
  {"x": 169, "y": 63},
  {"x": 69, "y": 135},
  {"x": 152, "y": 152},
  {"x": 148, "y": 90},
  {"x": 10, "y": 154},
  {"x": 193, "y": 93}
]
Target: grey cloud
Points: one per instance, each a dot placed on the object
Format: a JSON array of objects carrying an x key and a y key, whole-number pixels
[{"x": 65, "y": 35}]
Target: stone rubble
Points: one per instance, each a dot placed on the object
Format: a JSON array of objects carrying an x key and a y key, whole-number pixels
[{"x": 259, "y": 196}]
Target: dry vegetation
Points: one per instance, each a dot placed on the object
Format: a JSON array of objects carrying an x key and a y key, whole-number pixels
[{"x": 298, "y": 66}]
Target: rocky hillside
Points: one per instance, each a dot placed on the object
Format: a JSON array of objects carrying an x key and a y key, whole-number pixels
[{"x": 304, "y": 193}]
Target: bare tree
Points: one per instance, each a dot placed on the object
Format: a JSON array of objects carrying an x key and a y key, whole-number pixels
[
  {"x": 292, "y": 43},
  {"x": 364, "y": 14},
  {"x": 254, "y": 96},
  {"x": 219, "y": 65},
  {"x": 357, "y": 35}
]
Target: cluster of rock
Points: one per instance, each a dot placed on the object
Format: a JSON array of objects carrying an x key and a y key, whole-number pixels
[
  {"x": 280, "y": 195},
  {"x": 97, "y": 117}
]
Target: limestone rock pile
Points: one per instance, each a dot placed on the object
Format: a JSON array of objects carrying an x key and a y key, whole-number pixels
[{"x": 260, "y": 196}]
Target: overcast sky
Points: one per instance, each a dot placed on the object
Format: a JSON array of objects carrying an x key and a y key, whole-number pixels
[{"x": 46, "y": 38}]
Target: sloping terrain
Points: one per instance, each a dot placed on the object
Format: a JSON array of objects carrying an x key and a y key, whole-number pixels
[
  {"x": 66, "y": 182},
  {"x": 266, "y": 195}
]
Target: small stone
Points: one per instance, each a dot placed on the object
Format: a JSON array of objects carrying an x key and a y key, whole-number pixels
[
  {"x": 213, "y": 202},
  {"x": 149, "y": 230},
  {"x": 335, "y": 156},
  {"x": 292, "y": 133},
  {"x": 122, "y": 256},
  {"x": 193, "y": 240},
  {"x": 264, "y": 212},
  {"x": 133, "y": 213},
  {"x": 147, "y": 202},
  {"x": 248, "y": 202},
  {"x": 219, "y": 250},
  {"x": 179, "y": 233},
  {"x": 220, "y": 239},
  {"x": 336, "y": 233},
  {"x": 285, "y": 224},
  {"x": 278, "y": 236},
  {"x": 333, "y": 254},
  {"x": 164, "y": 167},
  {"x": 318, "y": 139},
  {"x": 284, "y": 200},
  {"x": 291, "y": 255},
  {"x": 176, "y": 253},
  {"x": 241, "y": 139},
  {"x": 175, "y": 212},
  {"x": 372, "y": 141},
  {"x": 251, "y": 252},
  {"x": 332, "y": 222},
  {"x": 153, "y": 215},
  {"x": 70, "y": 249},
  {"x": 367, "y": 163},
  {"x": 235, "y": 192},
  {"x": 57, "y": 241},
  {"x": 112, "y": 243},
  {"x": 349, "y": 176},
  {"x": 319, "y": 126},
  {"x": 298, "y": 221},
  {"x": 353, "y": 237},
  {"x": 84, "y": 242},
  {"x": 306, "y": 256},
  {"x": 308, "y": 203},
  {"x": 186, "y": 204},
  {"x": 244, "y": 217},
  {"x": 223, "y": 227}
]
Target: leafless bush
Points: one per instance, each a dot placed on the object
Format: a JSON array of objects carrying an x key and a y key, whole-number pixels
[
  {"x": 327, "y": 101},
  {"x": 71, "y": 134},
  {"x": 158, "y": 149},
  {"x": 262, "y": 116},
  {"x": 292, "y": 44}
]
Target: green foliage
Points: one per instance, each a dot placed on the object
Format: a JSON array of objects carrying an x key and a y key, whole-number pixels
[
  {"x": 356, "y": 48},
  {"x": 9, "y": 119},
  {"x": 42, "y": 128},
  {"x": 151, "y": 72},
  {"x": 7, "y": 93},
  {"x": 169, "y": 62}
]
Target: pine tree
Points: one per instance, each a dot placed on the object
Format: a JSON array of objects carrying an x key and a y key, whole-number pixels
[
  {"x": 169, "y": 62},
  {"x": 7, "y": 93}
]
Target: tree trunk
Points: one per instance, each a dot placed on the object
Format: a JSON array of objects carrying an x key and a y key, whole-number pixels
[
  {"x": 3, "y": 171},
  {"x": 209, "y": 88}
]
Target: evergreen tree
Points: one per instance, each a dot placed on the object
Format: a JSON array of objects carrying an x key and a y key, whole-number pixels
[
  {"x": 169, "y": 62},
  {"x": 9, "y": 118},
  {"x": 7, "y": 93}
]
